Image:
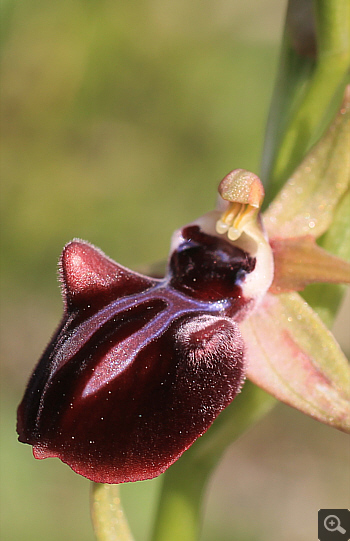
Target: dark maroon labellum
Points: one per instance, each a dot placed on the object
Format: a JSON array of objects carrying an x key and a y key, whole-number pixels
[{"x": 139, "y": 367}]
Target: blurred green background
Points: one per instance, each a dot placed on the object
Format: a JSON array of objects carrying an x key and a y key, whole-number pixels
[{"x": 118, "y": 120}]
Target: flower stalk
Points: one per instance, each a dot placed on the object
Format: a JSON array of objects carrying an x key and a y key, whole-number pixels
[{"x": 108, "y": 517}]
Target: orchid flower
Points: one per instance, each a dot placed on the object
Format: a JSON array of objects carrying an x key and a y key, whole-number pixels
[{"x": 140, "y": 367}]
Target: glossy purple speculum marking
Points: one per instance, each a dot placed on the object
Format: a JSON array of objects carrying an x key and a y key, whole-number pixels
[
  {"x": 139, "y": 367},
  {"x": 210, "y": 269}
]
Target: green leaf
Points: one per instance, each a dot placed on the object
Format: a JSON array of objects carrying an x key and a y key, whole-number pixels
[{"x": 293, "y": 356}]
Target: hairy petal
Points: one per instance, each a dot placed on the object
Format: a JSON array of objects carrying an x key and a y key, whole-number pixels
[
  {"x": 293, "y": 356},
  {"x": 88, "y": 277}
]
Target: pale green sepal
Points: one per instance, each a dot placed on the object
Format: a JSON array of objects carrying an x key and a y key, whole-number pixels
[
  {"x": 307, "y": 202},
  {"x": 293, "y": 356},
  {"x": 107, "y": 514}
]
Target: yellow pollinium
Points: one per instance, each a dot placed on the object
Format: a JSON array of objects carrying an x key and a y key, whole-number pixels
[{"x": 245, "y": 193}]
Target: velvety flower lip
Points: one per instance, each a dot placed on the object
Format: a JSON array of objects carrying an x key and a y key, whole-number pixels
[{"x": 140, "y": 367}]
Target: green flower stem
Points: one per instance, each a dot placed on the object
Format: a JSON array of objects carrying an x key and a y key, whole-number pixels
[
  {"x": 180, "y": 504},
  {"x": 179, "y": 510},
  {"x": 307, "y": 89},
  {"x": 107, "y": 514}
]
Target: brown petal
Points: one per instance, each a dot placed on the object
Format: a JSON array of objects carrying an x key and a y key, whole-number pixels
[{"x": 300, "y": 262}]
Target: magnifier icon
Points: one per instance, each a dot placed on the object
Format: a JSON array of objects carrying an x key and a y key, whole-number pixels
[{"x": 332, "y": 524}]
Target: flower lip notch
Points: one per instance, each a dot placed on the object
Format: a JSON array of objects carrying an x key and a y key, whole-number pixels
[{"x": 139, "y": 368}]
